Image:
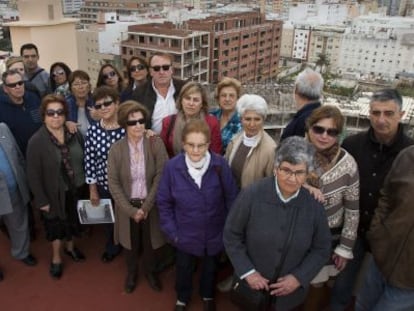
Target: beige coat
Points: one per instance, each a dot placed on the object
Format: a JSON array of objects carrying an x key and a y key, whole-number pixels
[
  {"x": 119, "y": 180},
  {"x": 260, "y": 159}
]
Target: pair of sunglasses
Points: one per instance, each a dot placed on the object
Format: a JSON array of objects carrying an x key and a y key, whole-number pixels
[
  {"x": 138, "y": 67},
  {"x": 163, "y": 67},
  {"x": 109, "y": 75},
  {"x": 135, "y": 122},
  {"x": 15, "y": 84},
  {"x": 106, "y": 103},
  {"x": 320, "y": 130},
  {"x": 52, "y": 113},
  {"x": 58, "y": 73}
]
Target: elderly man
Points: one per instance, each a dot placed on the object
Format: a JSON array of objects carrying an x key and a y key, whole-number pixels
[
  {"x": 36, "y": 75},
  {"x": 307, "y": 94},
  {"x": 160, "y": 93},
  {"x": 374, "y": 151},
  {"x": 19, "y": 108},
  {"x": 389, "y": 282},
  {"x": 14, "y": 196}
]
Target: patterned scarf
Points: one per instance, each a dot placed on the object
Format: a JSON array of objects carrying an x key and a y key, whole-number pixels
[
  {"x": 64, "y": 152},
  {"x": 323, "y": 161}
]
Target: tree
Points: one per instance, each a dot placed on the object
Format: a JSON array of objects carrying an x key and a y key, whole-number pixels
[{"x": 322, "y": 62}]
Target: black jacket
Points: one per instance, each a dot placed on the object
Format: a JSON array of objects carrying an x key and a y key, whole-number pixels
[{"x": 374, "y": 162}]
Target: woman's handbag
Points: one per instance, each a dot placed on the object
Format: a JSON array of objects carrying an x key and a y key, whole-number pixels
[{"x": 248, "y": 299}]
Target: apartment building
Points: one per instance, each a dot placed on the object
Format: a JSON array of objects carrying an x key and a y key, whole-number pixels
[
  {"x": 71, "y": 6},
  {"x": 91, "y": 8},
  {"x": 378, "y": 47},
  {"x": 190, "y": 49},
  {"x": 326, "y": 40},
  {"x": 245, "y": 45}
]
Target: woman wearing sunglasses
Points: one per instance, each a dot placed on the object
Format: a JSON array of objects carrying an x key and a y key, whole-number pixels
[
  {"x": 99, "y": 139},
  {"x": 135, "y": 164},
  {"x": 138, "y": 74},
  {"x": 335, "y": 181},
  {"x": 59, "y": 75},
  {"x": 57, "y": 180},
  {"x": 108, "y": 75}
]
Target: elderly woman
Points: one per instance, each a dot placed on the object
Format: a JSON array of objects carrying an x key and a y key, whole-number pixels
[
  {"x": 81, "y": 106},
  {"x": 134, "y": 169},
  {"x": 138, "y": 73},
  {"x": 99, "y": 139},
  {"x": 284, "y": 227},
  {"x": 227, "y": 93},
  {"x": 194, "y": 196},
  {"x": 251, "y": 152},
  {"x": 335, "y": 180},
  {"x": 56, "y": 178},
  {"x": 108, "y": 75},
  {"x": 59, "y": 75},
  {"x": 191, "y": 104}
]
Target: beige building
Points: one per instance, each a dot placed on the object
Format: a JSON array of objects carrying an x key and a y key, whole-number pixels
[
  {"x": 326, "y": 40},
  {"x": 42, "y": 23}
]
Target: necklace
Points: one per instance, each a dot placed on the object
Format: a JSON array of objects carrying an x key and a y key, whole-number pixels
[{"x": 109, "y": 126}]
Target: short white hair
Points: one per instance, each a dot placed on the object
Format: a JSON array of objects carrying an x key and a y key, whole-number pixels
[
  {"x": 252, "y": 102},
  {"x": 309, "y": 84}
]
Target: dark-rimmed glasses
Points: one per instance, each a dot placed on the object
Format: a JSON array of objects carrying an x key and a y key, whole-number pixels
[
  {"x": 320, "y": 130},
  {"x": 163, "y": 67},
  {"x": 109, "y": 75},
  {"x": 138, "y": 67},
  {"x": 135, "y": 122},
  {"x": 287, "y": 173},
  {"x": 106, "y": 103},
  {"x": 15, "y": 84},
  {"x": 52, "y": 113}
]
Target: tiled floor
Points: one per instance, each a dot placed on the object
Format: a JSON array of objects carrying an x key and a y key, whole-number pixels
[{"x": 91, "y": 285}]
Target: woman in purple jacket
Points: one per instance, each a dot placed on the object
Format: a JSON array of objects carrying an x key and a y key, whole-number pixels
[{"x": 194, "y": 195}]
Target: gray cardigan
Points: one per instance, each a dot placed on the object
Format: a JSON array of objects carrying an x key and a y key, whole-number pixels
[
  {"x": 44, "y": 171},
  {"x": 256, "y": 229}
]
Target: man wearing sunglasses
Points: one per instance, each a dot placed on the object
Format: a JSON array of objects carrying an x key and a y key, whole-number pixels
[
  {"x": 19, "y": 108},
  {"x": 374, "y": 151},
  {"x": 307, "y": 93},
  {"x": 159, "y": 94},
  {"x": 35, "y": 74}
]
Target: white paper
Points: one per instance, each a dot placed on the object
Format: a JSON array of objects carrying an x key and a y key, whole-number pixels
[{"x": 89, "y": 214}]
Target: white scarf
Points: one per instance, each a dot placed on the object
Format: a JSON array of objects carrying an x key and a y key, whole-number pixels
[
  {"x": 250, "y": 141},
  {"x": 198, "y": 169}
]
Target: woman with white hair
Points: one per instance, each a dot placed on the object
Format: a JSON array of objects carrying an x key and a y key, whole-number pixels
[{"x": 251, "y": 153}]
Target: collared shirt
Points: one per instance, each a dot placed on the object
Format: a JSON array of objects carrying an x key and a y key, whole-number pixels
[
  {"x": 137, "y": 164},
  {"x": 163, "y": 107}
]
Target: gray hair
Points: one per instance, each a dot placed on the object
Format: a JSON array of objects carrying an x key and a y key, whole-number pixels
[
  {"x": 252, "y": 102},
  {"x": 386, "y": 95},
  {"x": 295, "y": 150},
  {"x": 309, "y": 84}
]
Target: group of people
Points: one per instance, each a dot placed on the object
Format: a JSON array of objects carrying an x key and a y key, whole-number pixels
[{"x": 195, "y": 183}]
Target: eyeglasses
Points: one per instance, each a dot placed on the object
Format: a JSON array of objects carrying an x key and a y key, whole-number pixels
[
  {"x": 163, "y": 67},
  {"x": 109, "y": 75},
  {"x": 138, "y": 67},
  {"x": 80, "y": 84},
  {"x": 195, "y": 146},
  {"x": 320, "y": 130},
  {"x": 15, "y": 84},
  {"x": 58, "y": 73},
  {"x": 286, "y": 173},
  {"x": 135, "y": 122},
  {"x": 52, "y": 113},
  {"x": 106, "y": 103}
]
